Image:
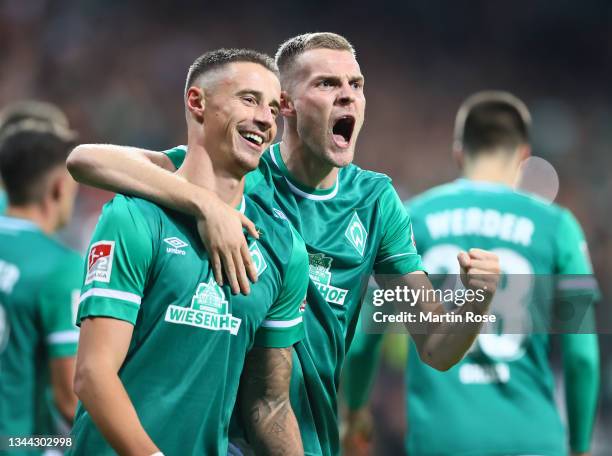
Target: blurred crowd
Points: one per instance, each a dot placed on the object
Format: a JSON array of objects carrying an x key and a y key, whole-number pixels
[{"x": 118, "y": 69}]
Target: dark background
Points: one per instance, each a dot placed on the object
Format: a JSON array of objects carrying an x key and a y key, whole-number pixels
[{"x": 118, "y": 68}]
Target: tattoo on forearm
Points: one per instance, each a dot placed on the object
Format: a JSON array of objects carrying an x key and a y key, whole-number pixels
[{"x": 264, "y": 394}]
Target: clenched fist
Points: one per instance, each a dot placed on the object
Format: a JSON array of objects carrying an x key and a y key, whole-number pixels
[{"x": 479, "y": 270}]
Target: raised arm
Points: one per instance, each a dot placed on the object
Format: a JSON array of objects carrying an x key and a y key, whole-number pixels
[
  {"x": 398, "y": 265},
  {"x": 150, "y": 175},
  {"x": 270, "y": 423},
  {"x": 443, "y": 344}
]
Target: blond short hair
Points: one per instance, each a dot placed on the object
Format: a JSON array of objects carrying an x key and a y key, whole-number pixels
[{"x": 292, "y": 48}]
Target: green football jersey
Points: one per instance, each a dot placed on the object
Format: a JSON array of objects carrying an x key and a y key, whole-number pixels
[
  {"x": 147, "y": 266},
  {"x": 357, "y": 227},
  {"x": 39, "y": 288},
  {"x": 499, "y": 400}
]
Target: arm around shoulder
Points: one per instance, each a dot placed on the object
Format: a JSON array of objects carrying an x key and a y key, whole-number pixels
[
  {"x": 92, "y": 163},
  {"x": 150, "y": 175}
]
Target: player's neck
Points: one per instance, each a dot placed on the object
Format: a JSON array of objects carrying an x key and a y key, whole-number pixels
[
  {"x": 495, "y": 166},
  {"x": 198, "y": 169},
  {"x": 43, "y": 218},
  {"x": 499, "y": 172},
  {"x": 305, "y": 166}
]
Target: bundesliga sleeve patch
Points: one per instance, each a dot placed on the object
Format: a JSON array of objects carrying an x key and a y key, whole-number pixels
[
  {"x": 303, "y": 305},
  {"x": 100, "y": 262}
]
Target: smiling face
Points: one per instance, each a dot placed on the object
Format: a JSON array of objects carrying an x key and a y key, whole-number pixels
[
  {"x": 325, "y": 91},
  {"x": 241, "y": 103}
]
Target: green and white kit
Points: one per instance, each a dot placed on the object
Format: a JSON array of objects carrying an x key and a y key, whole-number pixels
[
  {"x": 147, "y": 266},
  {"x": 351, "y": 230},
  {"x": 499, "y": 399},
  {"x": 39, "y": 289}
]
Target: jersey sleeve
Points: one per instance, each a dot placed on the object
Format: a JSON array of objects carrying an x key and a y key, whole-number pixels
[
  {"x": 177, "y": 155},
  {"x": 118, "y": 262},
  {"x": 58, "y": 299},
  {"x": 581, "y": 373},
  {"x": 397, "y": 253},
  {"x": 282, "y": 326},
  {"x": 573, "y": 264}
]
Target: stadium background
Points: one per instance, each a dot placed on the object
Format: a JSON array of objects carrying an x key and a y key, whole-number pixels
[{"x": 118, "y": 69}]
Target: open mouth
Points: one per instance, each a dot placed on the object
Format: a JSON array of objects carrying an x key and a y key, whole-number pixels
[
  {"x": 343, "y": 130},
  {"x": 254, "y": 138}
]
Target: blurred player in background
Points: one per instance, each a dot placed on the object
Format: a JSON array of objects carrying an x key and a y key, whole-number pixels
[
  {"x": 500, "y": 398},
  {"x": 162, "y": 345},
  {"x": 351, "y": 219},
  {"x": 29, "y": 109},
  {"x": 39, "y": 281}
]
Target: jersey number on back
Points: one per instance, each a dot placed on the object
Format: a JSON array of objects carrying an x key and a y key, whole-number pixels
[{"x": 504, "y": 341}]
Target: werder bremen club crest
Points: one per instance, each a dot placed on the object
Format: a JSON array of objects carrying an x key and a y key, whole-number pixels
[
  {"x": 209, "y": 310},
  {"x": 320, "y": 273}
]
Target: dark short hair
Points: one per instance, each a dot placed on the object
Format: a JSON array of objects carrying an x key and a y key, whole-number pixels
[
  {"x": 18, "y": 111},
  {"x": 492, "y": 120},
  {"x": 216, "y": 59},
  {"x": 289, "y": 51},
  {"x": 29, "y": 150}
]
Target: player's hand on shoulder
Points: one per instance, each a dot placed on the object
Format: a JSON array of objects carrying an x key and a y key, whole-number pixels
[
  {"x": 220, "y": 228},
  {"x": 480, "y": 269}
]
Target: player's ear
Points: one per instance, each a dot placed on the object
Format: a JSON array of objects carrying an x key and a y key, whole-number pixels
[
  {"x": 195, "y": 103},
  {"x": 524, "y": 152},
  {"x": 287, "y": 107},
  {"x": 458, "y": 155},
  {"x": 57, "y": 186}
]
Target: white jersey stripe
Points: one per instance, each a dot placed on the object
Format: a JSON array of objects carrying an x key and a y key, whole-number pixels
[
  {"x": 63, "y": 337},
  {"x": 310, "y": 196},
  {"x": 577, "y": 283},
  {"x": 390, "y": 257},
  {"x": 304, "y": 194},
  {"x": 113, "y": 294},
  {"x": 281, "y": 324}
]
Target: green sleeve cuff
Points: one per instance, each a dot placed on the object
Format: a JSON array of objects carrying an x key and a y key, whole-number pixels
[
  {"x": 279, "y": 337},
  {"x": 108, "y": 307},
  {"x": 575, "y": 285}
]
